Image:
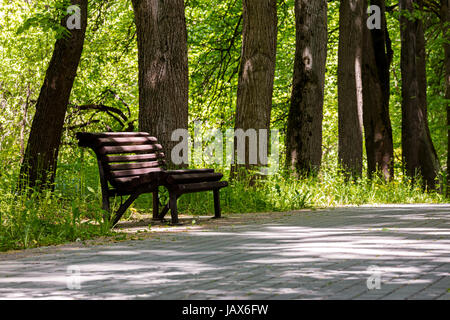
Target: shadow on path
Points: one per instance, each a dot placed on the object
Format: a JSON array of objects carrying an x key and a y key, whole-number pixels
[{"x": 327, "y": 254}]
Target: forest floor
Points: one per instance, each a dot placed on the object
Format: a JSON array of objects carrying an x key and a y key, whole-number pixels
[{"x": 367, "y": 252}]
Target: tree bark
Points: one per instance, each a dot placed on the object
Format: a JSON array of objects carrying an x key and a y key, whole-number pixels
[
  {"x": 350, "y": 96},
  {"x": 377, "y": 59},
  {"x": 419, "y": 155},
  {"x": 304, "y": 131},
  {"x": 39, "y": 165},
  {"x": 257, "y": 71},
  {"x": 163, "y": 69},
  {"x": 445, "y": 19}
]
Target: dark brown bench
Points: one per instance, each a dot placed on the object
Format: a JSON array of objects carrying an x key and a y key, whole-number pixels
[{"x": 132, "y": 163}]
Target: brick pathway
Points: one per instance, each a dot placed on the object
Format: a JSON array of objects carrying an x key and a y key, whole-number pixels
[{"x": 329, "y": 254}]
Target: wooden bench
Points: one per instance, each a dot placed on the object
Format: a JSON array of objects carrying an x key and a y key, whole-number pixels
[{"x": 132, "y": 163}]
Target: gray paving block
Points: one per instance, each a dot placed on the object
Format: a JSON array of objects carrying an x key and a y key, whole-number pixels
[{"x": 325, "y": 254}]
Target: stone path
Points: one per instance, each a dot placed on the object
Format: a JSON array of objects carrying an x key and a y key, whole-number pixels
[{"x": 404, "y": 251}]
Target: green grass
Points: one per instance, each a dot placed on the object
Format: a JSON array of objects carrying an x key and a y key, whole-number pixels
[
  {"x": 329, "y": 189},
  {"x": 47, "y": 219},
  {"x": 73, "y": 211}
]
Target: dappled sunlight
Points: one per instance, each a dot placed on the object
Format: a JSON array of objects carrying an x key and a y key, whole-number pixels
[{"x": 311, "y": 255}]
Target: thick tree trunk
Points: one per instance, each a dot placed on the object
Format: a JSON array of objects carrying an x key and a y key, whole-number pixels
[
  {"x": 445, "y": 19},
  {"x": 41, "y": 155},
  {"x": 350, "y": 96},
  {"x": 377, "y": 57},
  {"x": 163, "y": 69},
  {"x": 419, "y": 154},
  {"x": 304, "y": 131},
  {"x": 257, "y": 71}
]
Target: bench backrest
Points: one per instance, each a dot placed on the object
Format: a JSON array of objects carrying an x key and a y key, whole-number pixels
[{"x": 124, "y": 156}]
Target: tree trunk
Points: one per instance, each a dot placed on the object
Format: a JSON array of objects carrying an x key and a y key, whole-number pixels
[
  {"x": 256, "y": 75},
  {"x": 163, "y": 69},
  {"x": 39, "y": 165},
  {"x": 445, "y": 18},
  {"x": 350, "y": 97},
  {"x": 304, "y": 131},
  {"x": 419, "y": 154},
  {"x": 376, "y": 94}
]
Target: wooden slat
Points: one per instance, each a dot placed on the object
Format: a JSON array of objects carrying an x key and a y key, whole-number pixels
[
  {"x": 100, "y": 142},
  {"x": 188, "y": 171},
  {"x": 88, "y": 135},
  {"x": 139, "y": 165},
  {"x": 89, "y": 139},
  {"x": 193, "y": 178},
  {"x": 202, "y": 186},
  {"x": 130, "y": 173},
  {"x": 135, "y": 181},
  {"x": 121, "y": 182},
  {"x": 129, "y": 149},
  {"x": 133, "y": 158},
  {"x": 127, "y": 191}
]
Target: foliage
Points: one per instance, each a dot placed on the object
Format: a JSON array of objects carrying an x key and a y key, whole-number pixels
[
  {"x": 46, "y": 218},
  {"x": 48, "y": 18},
  {"x": 108, "y": 76}
]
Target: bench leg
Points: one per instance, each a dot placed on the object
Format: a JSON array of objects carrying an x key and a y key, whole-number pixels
[
  {"x": 106, "y": 206},
  {"x": 124, "y": 208},
  {"x": 173, "y": 208},
  {"x": 217, "y": 213},
  {"x": 163, "y": 212},
  {"x": 155, "y": 205}
]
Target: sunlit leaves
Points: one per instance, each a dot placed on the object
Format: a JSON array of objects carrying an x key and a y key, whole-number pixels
[{"x": 48, "y": 17}]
